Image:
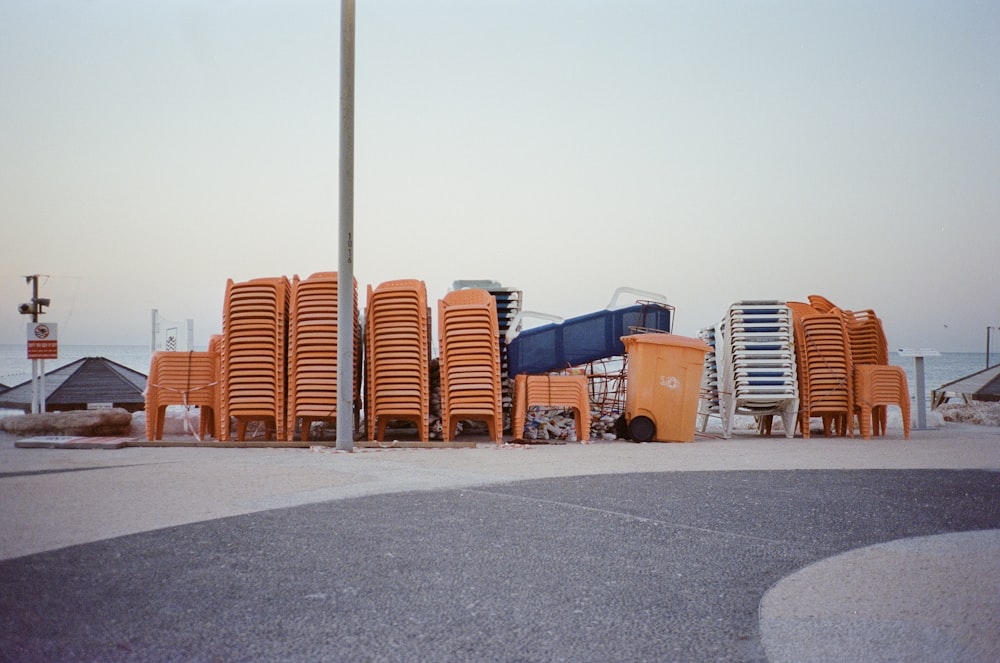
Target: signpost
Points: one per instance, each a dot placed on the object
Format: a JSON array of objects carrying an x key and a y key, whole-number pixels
[
  {"x": 42, "y": 341},
  {"x": 42, "y": 344}
]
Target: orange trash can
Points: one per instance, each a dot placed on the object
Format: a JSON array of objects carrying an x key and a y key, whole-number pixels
[{"x": 663, "y": 383}]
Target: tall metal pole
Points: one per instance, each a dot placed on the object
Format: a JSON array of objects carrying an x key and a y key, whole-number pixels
[
  {"x": 37, "y": 398},
  {"x": 987, "y": 347},
  {"x": 345, "y": 270}
]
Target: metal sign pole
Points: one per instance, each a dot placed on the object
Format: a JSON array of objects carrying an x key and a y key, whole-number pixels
[
  {"x": 34, "y": 386},
  {"x": 345, "y": 272},
  {"x": 41, "y": 385}
]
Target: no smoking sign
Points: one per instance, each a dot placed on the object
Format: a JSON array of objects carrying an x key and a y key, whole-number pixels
[{"x": 42, "y": 341}]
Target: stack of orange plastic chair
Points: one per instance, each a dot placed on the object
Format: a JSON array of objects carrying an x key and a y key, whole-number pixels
[
  {"x": 868, "y": 342},
  {"x": 312, "y": 351},
  {"x": 469, "y": 336},
  {"x": 825, "y": 370},
  {"x": 569, "y": 391},
  {"x": 876, "y": 387},
  {"x": 396, "y": 333},
  {"x": 211, "y": 420},
  {"x": 254, "y": 339},
  {"x": 876, "y": 384},
  {"x": 821, "y": 303},
  {"x": 181, "y": 378}
]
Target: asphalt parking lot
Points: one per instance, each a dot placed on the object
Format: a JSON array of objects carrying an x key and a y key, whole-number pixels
[{"x": 638, "y": 566}]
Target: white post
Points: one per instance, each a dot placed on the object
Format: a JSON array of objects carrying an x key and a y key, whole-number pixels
[
  {"x": 152, "y": 343},
  {"x": 41, "y": 385},
  {"x": 34, "y": 386},
  {"x": 345, "y": 271},
  {"x": 918, "y": 367},
  {"x": 190, "y": 334}
]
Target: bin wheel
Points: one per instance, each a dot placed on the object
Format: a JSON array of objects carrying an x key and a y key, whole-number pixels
[
  {"x": 621, "y": 428},
  {"x": 641, "y": 429}
]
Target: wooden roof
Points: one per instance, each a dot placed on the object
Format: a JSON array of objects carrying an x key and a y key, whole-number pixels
[
  {"x": 85, "y": 381},
  {"x": 983, "y": 385}
]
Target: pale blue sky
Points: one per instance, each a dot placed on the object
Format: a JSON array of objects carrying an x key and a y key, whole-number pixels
[{"x": 709, "y": 151}]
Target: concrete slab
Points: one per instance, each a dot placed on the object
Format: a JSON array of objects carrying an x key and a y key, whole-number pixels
[{"x": 72, "y": 442}]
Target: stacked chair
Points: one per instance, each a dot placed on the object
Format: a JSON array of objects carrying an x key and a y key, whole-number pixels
[
  {"x": 821, "y": 304},
  {"x": 211, "y": 420},
  {"x": 312, "y": 351},
  {"x": 567, "y": 391},
  {"x": 708, "y": 403},
  {"x": 867, "y": 337},
  {"x": 825, "y": 370},
  {"x": 876, "y": 384},
  {"x": 254, "y": 326},
  {"x": 756, "y": 365},
  {"x": 181, "y": 378},
  {"x": 398, "y": 349},
  {"x": 468, "y": 333},
  {"x": 875, "y": 388}
]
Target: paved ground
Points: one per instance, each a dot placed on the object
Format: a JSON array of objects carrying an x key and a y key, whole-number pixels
[{"x": 746, "y": 549}]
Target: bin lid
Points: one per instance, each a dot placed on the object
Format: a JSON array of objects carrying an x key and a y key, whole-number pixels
[{"x": 666, "y": 339}]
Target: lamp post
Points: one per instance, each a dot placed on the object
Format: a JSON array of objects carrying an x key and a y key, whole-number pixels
[
  {"x": 34, "y": 309},
  {"x": 988, "y": 330},
  {"x": 345, "y": 264}
]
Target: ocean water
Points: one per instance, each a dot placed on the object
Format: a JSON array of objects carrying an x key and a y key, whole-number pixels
[{"x": 15, "y": 367}]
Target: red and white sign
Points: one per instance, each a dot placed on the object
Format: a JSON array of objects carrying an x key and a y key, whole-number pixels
[{"x": 42, "y": 341}]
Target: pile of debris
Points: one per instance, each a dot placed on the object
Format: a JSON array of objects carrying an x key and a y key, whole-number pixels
[{"x": 980, "y": 413}]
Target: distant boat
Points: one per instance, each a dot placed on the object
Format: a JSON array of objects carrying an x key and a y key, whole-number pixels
[
  {"x": 87, "y": 383},
  {"x": 982, "y": 385}
]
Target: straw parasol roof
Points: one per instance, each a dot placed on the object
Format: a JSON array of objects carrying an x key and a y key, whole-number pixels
[{"x": 86, "y": 382}]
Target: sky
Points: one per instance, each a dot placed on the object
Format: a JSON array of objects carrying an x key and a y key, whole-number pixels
[{"x": 707, "y": 151}]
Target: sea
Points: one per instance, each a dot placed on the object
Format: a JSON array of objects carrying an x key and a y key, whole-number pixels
[{"x": 15, "y": 367}]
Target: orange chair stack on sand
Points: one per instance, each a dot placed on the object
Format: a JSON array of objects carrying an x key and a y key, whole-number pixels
[
  {"x": 312, "y": 351},
  {"x": 181, "y": 378},
  {"x": 254, "y": 341},
  {"x": 397, "y": 335},
  {"x": 469, "y": 336},
  {"x": 568, "y": 391}
]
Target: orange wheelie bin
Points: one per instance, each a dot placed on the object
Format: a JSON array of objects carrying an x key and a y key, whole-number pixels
[{"x": 663, "y": 382}]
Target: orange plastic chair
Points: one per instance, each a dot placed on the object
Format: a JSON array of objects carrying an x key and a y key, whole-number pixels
[
  {"x": 569, "y": 391},
  {"x": 397, "y": 358},
  {"x": 253, "y": 365},
  {"x": 181, "y": 378},
  {"x": 821, "y": 303},
  {"x": 877, "y": 387},
  {"x": 826, "y": 382},
  {"x": 469, "y": 338},
  {"x": 313, "y": 373}
]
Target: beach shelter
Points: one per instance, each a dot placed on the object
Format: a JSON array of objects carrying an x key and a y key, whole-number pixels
[
  {"x": 90, "y": 382},
  {"x": 983, "y": 385}
]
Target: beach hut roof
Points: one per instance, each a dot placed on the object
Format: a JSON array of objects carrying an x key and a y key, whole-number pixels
[
  {"x": 86, "y": 381},
  {"x": 983, "y": 385}
]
